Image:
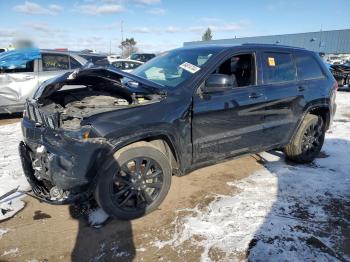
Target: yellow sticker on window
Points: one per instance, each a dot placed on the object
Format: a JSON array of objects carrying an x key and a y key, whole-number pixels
[{"x": 271, "y": 61}]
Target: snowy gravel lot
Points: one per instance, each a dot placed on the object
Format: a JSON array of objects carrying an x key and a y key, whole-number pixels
[{"x": 285, "y": 212}]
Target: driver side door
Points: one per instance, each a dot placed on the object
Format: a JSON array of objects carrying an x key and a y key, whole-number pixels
[{"x": 229, "y": 122}]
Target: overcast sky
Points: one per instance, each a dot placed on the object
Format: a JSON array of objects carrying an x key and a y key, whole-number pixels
[{"x": 159, "y": 25}]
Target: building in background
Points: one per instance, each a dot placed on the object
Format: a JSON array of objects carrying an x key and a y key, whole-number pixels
[{"x": 335, "y": 42}]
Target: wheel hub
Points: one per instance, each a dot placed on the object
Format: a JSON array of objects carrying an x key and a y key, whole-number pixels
[
  {"x": 309, "y": 140},
  {"x": 139, "y": 182}
]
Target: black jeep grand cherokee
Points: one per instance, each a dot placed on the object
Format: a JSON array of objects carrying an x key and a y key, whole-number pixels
[{"x": 118, "y": 138}]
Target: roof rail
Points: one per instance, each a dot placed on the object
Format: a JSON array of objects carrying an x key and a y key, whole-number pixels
[{"x": 274, "y": 45}]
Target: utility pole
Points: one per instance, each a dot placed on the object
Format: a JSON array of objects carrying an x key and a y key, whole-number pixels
[{"x": 122, "y": 34}]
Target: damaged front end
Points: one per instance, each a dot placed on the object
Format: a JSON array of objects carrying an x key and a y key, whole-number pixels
[{"x": 62, "y": 150}]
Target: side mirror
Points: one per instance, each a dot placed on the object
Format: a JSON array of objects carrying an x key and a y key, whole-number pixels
[{"x": 217, "y": 83}]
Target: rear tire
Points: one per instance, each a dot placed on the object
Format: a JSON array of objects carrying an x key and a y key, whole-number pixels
[
  {"x": 308, "y": 141},
  {"x": 139, "y": 186}
]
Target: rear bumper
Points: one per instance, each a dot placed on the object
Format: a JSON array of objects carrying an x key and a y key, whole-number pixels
[{"x": 53, "y": 162}]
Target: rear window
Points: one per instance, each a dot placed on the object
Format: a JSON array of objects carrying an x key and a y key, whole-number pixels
[
  {"x": 278, "y": 68},
  {"x": 308, "y": 68}
]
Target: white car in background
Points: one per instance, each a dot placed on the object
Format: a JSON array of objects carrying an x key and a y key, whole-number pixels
[
  {"x": 113, "y": 58},
  {"x": 126, "y": 65},
  {"x": 21, "y": 74}
]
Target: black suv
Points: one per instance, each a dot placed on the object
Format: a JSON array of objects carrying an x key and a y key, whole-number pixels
[{"x": 104, "y": 134}]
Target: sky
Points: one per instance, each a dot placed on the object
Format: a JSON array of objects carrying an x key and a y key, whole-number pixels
[{"x": 159, "y": 25}]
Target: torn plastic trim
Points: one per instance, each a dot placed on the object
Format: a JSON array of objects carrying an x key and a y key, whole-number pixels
[{"x": 77, "y": 77}]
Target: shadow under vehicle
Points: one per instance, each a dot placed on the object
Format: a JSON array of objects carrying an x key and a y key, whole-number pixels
[{"x": 119, "y": 137}]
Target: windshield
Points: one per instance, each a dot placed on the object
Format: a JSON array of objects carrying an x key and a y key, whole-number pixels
[{"x": 172, "y": 68}]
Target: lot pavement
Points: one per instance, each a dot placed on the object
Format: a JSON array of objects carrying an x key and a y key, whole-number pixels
[{"x": 259, "y": 207}]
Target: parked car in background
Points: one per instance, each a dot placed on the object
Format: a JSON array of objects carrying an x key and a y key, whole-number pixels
[
  {"x": 97, "y": 59},
  {"x": 122, "y": 136},
  {"x": 341, "y": 73},
  {"x": 335, "y": 60},
  {"x": 21, "y": 72},
  {"x": 126, "y": 65},
  {"x": 143, "y": 57},
  {"x": 113, "y": 58}
]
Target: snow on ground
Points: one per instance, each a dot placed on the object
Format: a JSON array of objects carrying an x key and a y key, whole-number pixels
[
  {"x": 3, "y": 232},
  {"x": 285, "y": 212},
  {"x": 97, "y": 217},
  {"x": 11, "y": 174}
]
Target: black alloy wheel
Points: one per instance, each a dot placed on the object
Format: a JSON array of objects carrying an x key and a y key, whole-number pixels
[
  {"x": 134, "y": 182},
  {"x": 138, "y": 184}
]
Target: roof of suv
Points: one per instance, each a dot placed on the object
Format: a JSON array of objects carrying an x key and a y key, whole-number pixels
[{"x": 249, "y": 45}]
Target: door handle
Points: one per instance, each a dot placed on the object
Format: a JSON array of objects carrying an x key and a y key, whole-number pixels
[
  {"x": 254, "y": 95},
  {"x": 301, "y": 88}
]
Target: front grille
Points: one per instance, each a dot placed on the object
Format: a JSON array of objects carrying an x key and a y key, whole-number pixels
[{"x": 34, "y": 114}]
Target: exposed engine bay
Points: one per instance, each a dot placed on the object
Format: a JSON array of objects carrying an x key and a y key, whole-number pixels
[
  {"x": 74, "y": 100},
  {"x": 73, "y": 106}
]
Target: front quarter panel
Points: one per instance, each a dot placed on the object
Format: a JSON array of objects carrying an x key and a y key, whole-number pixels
[{"x": 169, "y": 118}]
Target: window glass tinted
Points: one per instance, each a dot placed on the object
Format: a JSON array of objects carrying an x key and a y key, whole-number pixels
[
  {"x": 55, "y": 62},
  {"x": 308, "y": 68},
  {"x": 278, "y": 67},
  {"x": 241, "y": 68}
]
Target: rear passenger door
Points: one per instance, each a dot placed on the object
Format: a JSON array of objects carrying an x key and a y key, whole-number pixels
[
  {"x": 311, "y": 76},
  {"x": 284, "y": 97}
]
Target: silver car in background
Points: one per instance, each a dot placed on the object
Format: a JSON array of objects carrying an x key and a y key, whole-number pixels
[{"x": 19, "y": 81}]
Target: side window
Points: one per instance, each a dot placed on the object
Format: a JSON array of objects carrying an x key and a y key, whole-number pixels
[
  {"x": 16, "y": 63},
  {"x": 308, "y": 68},
  {"x": 74, "y": 63},
  {"x": 241, "y": 68},
  {"x": 25, "y": 67},
  {"x": 133, "y": 65},
  {"x": 55, "y": 62},
  {"x": 278, "y": 67},
  {"x": 118, "y": 65}
]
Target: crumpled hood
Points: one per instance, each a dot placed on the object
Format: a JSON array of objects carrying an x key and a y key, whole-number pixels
[{"x": 90, "y": 74}]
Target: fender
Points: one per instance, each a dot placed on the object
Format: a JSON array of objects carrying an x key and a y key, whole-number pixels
[
  {"x": 308, "y": 109},
  {"x": 121, "y": 142}
]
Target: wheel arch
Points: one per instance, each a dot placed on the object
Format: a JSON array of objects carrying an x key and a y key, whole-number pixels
[
  {"x": 163, "y": 142},
  {"x": 321, "y": 110}
]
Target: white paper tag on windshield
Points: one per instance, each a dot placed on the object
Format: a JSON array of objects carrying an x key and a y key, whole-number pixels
[{"x": 189, "y": 67}]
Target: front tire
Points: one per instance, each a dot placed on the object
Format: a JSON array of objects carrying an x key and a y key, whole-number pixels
[
  {"x": 308, "y": 141},
  {"x": 139, "y": 186}
]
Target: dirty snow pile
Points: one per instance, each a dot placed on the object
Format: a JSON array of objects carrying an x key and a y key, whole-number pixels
[
  {"x": 11, "y": 174},
  {"x": 285, "y": 212}
]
